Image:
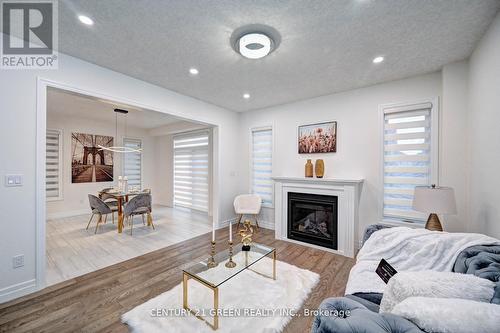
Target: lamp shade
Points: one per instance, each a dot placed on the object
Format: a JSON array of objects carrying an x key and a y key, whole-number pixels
[{"x": 432, "y": 199}]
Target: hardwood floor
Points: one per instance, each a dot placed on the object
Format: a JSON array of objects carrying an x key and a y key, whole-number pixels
[
  {"x": 73, "y": 251},
  {"x": 94, "y": 302}
]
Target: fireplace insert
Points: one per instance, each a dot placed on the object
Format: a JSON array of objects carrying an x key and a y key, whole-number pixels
[{"x": 312, "y": 218}]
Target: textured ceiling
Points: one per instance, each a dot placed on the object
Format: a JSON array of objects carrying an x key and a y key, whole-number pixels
[
  {"x": 326, "y": 46},
  {"x": 65, "y": 104}
]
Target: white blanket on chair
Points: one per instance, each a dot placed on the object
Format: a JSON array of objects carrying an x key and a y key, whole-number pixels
[{"x": 408, "y": 250}]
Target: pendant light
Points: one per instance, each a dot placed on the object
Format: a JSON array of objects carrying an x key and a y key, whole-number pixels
[{"x": 120, "y": 149}]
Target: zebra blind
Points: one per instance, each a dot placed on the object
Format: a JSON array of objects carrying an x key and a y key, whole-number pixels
[
  {"x": 262, "y": 164},
  {"x": 191, "y": 170},
  {"x": 407, "y": 159},
  {"x": 132, "y": 167},
  {"x": 53, "y": 167}
]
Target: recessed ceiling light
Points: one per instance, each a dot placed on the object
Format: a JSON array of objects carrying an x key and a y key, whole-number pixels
[
  {"x": 378, "y": 60},
  {"x": 193, "y": 71},
  {"x": 246, "y": 95},
  {"x": 85, "y": 20},
  {"x": 255, "y": 45}
]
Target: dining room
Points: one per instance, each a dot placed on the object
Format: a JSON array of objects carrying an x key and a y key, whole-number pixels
[{"x": 121, "y": 181}]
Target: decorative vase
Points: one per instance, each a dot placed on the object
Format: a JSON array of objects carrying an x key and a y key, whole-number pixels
[
  {"x": 319, "y": 168},
  {"x": 309, "y": 169}
]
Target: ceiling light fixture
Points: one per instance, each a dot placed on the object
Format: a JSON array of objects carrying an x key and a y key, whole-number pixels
[
  {"x": 378, "y": 60},
  {"x": 193, "y": 71},
  {"x": 246, "y": 95},
  {"x": 120, "y": 149},
  {"x": 254, "y": 45},
  {"x": 85, "y": 20}
]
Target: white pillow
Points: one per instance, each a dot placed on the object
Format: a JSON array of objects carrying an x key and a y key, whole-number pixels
[
  {"x": 435, "y": 284},
  {"x": 449, "y": 315}
]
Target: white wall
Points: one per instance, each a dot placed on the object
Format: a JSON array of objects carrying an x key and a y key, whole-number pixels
[
  {"x": 18, "y": 100},
  {"x": 484, "y": 124},
  {"x": 359, "y": 136},
  {"x": 75, "y": 200},
  {"x": 165, "y": 173},
  {"x": 454, "y": 136}
]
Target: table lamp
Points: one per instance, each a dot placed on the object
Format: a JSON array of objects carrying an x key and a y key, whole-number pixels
[{"x": 434, "y": 200}]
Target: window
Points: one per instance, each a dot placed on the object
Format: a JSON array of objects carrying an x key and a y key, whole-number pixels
[
  {"x": 262, "y": 164},
  {"x": 191, "y": 170},
  {"x": 410, "y": 157},
  {"x": 132, "y": 162},
  {"x": 53, "y": 165}
]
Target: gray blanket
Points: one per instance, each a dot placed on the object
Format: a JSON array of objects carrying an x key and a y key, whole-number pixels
[{"x": 482, "y": 261}]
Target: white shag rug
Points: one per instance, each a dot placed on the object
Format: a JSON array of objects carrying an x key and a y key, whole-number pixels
[{"x": 263, "y": 304}]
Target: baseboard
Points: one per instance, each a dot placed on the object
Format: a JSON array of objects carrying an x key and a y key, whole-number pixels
[
  {"x": 17, "y": 290},
  {"x": 71, "y": 213},
  {"x": 263, "y": 224},
  {"x": 225, "y": 223},
  {"x": 266, "y": 224}
]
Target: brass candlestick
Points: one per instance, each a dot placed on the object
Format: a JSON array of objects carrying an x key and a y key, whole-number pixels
[
  {"x": 230, "y": 263},
  {"x": 211, "y": 263}
]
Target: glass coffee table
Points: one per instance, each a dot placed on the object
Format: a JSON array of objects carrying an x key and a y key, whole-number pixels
[{"x": 213, "y": 278}]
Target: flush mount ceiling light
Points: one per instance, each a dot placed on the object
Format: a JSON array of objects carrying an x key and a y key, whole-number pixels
[
  {"x": 85, "y": 20},
  {"x": 378, "y": 60},
  {"x": 120, "y": 149},
  {"x": 255, "y": 45},
  {"x": 246, "y": 95},
  {"x": 193, "y": 71},
  {"x": 255, "y": 41}
]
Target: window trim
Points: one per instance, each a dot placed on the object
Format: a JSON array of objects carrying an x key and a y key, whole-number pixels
[
  {"x": 61, "y": 165},
  {"x": 384, "y": 109},
  {"x": 142, "y": 160},
  {"x": 250, "y": 159}
]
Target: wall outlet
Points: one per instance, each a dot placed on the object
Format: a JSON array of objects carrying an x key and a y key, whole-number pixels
[{"x": 18, "y": 261}]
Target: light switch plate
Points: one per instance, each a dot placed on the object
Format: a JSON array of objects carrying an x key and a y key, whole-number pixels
[{"x": 13, "y": 180}]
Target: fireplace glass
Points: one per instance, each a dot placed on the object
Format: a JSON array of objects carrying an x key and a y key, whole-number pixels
[{"x": 312, "y": 218}]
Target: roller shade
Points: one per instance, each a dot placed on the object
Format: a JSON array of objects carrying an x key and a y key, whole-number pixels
[
  {"x": 53, "y": 168},
  {"x": 407, "y": 159},
  {"x": 192, "y": 170},
  {"x": 262, "y": 164},
  {"x": 132, "y": 167}
]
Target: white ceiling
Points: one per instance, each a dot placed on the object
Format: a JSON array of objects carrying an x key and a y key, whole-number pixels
[
  {"x": 62, "y": 103},
  {"x": 326, "y": 46}
]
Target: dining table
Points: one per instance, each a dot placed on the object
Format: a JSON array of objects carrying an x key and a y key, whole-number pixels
[{"x": 121, "y": 197}]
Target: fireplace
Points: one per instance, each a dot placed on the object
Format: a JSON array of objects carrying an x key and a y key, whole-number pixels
[{"x": 312, "y": 218}]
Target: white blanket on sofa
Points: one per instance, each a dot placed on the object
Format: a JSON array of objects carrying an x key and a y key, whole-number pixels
[{"x": 408, "y": 249}]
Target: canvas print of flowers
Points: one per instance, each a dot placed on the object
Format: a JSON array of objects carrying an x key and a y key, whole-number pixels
[{"x": 318, "y": 138}]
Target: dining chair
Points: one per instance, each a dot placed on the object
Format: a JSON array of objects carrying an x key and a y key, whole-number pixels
[
  {"x": 138, "y": 205},
  {"x": 109, "y": 200},
  {"x": 247, "y": 204},
  {"x": 100, "y": 208}
]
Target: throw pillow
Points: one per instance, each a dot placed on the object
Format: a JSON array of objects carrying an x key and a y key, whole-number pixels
[
  {"x": 435, "y": 284},
  {"x": 449, "y": 315}
]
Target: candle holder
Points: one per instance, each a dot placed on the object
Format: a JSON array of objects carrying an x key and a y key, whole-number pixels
[
  {"x": 230, "y": 263},
  {"x": 211, "y": 263}
]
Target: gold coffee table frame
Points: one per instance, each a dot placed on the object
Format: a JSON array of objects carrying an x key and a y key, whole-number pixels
[{"x": 186, "y": 275}]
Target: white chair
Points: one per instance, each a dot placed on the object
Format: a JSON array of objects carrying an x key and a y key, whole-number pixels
[{"x": 247, "y": 204}]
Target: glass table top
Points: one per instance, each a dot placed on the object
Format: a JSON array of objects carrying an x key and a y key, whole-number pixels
[{"x": 220, "y": 274}]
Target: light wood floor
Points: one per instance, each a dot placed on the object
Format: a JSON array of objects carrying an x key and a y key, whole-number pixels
[
  {"x": 73, "y": 251},
  {"x": 94, "y": 302}
]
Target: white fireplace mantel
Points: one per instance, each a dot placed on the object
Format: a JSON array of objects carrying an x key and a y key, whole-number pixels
[{"x": 346, "y": 190}]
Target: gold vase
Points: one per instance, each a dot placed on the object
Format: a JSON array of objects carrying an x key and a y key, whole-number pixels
[
  {"x": 319, "y": 168},
  {"x": 309, "y": 169}
]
